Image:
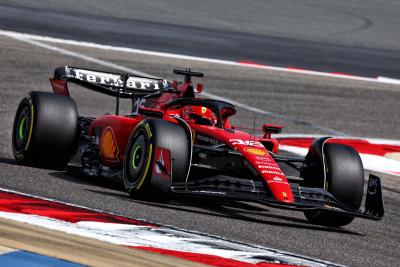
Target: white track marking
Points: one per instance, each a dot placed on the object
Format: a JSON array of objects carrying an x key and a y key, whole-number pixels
[
  {"x": 158, "y": 236},
  {"x": 370, "y": 162},
  {"x": 276, "y": 115},
  {"x": 186, "y": 57},
  {"x": 33, "y": 40},
  {"x": 370, "y": 140},
  {"x": 75, "y": 54},
  {"x": 164, "y": 238},
  {"x": 385, "y": 164},
  {"x": 388, "y": 80}
]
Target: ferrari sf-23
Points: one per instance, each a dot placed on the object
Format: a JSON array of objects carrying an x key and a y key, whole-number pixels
[{"x": 175, "y": 143}]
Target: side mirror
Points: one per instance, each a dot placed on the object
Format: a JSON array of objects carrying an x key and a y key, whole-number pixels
[
  {"x": 199, "y": 88},
  {"x": 269, "y": 129}
]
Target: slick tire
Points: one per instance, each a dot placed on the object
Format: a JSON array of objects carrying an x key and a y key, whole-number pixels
[
  {"x": 140, "y": 152},
  {"x": 45, "y": 131},
  {"x": 345, "y": 181}
]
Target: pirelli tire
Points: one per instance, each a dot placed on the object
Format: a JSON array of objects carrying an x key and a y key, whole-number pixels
[
  {"x": 45, "y": 131},
  {"x": 344, "y": 180},
  {"x": 140, "y": 152}
]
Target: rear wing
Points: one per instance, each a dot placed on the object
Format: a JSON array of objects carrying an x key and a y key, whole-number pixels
[{"x": 113, "y": 84}]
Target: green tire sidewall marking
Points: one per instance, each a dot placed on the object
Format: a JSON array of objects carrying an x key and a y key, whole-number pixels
[
  {"x": 134, "y": 157},
  {"x": 21, "y": 128},
  {"x": 30, "y": 126}
]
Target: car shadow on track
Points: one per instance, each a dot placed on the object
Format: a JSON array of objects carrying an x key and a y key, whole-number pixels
[
  {"x": 74, "y": 178},
  {"x": 85, "y": 180},
  {"x": 230, "y": 209},
  {"x": 7, "y": 160}
]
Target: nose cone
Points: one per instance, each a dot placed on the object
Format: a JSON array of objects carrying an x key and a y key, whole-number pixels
[
  {"x": 280, "y": 190},
  {"x": 272, "y": 174}
]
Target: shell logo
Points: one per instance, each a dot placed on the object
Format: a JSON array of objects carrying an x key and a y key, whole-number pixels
[
  {"x": 108, "y": 146},
  {"x": 255, "y": 151}
]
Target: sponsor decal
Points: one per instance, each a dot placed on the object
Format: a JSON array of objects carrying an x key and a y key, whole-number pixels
[
  {"x": 148, "y": 130},
  {"x": 277, "y": 180},
  {"x": 115, "y": 80},
  {"x": 108, "y": 146},
  {"x": 268, "y": 167},
  {"x": 256, "y": 151},
  {"x": 271, "y": 172},
  {"x": 206, "y": 139},
  {"x": 210, "y": 192},
  {"x": 245, "y": 142},
  {"x": 264, "y": 163},
  {"x": 262, "y": 159},
  {"x": 162, "y": 163},
  {"x": 284, "y": 194}
]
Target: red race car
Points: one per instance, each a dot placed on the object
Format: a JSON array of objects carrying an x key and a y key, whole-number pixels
[{"x": 174, "y": 143}]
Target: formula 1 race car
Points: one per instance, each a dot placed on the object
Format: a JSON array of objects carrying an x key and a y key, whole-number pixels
[{"x": 174, "y": 143}]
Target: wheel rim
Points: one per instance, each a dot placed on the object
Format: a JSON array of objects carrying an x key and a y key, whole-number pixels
[
  {"x": 22, "y": 128},
  {"x": 137, "y": 157}
]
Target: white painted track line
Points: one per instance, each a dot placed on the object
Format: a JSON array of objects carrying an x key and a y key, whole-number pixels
[
  {"x": 34, "y": 40},
  {"x": 40, "y": 38}
]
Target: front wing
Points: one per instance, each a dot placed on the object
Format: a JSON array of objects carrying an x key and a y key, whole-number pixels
[{"x": 305, "y": 198}]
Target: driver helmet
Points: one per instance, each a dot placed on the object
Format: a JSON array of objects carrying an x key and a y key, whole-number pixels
[{"x": 200, "y": 111}]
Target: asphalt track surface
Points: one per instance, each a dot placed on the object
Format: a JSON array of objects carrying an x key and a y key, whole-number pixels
[
  {"x": 304, "y": 34},
  {"x": 352, "y": 107}
]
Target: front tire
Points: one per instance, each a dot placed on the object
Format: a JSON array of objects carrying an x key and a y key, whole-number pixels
[
  {"x": 137, "y": 164},
  {"x": 45, "y": 131},
  {"x": 140, "y": 153},
  {"x": 344, "y": 180}
]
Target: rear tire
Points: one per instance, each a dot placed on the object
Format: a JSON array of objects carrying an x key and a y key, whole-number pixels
[
  {"x": 344, "y": 180},
  {"x": 139, "y": 157},
  {"x": 45, "y": 131}
]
